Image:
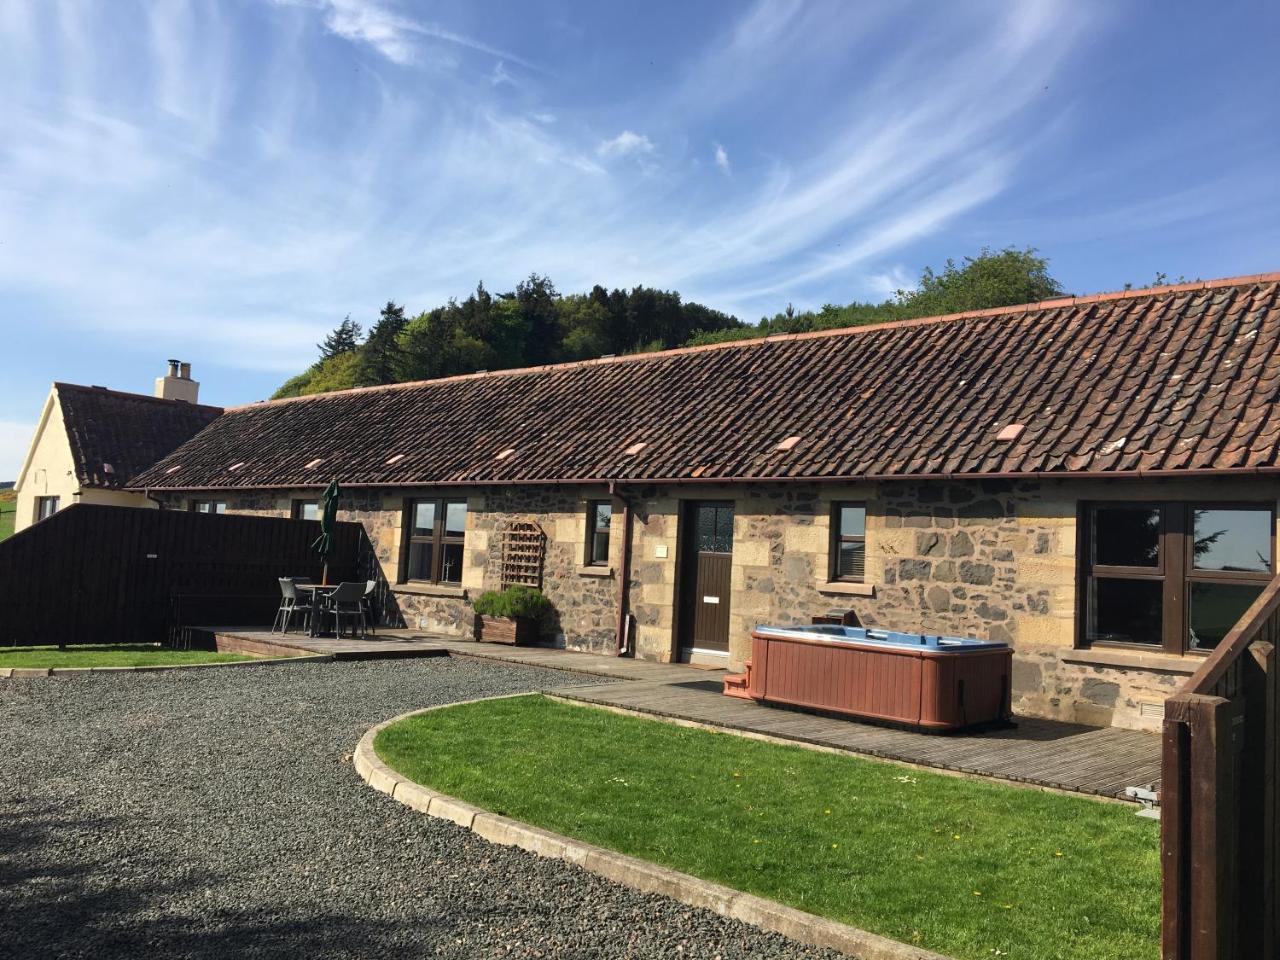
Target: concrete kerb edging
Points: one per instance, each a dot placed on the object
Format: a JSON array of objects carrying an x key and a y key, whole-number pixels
[
  {"x": 629, "y": 871},
  {"x": 22, "y": 673}
]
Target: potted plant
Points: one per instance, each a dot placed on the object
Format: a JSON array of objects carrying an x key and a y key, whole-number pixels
[{"x": 510, "y": 616}]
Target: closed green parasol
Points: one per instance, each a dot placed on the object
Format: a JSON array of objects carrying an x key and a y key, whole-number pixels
[{"x": 328, "y": 517}]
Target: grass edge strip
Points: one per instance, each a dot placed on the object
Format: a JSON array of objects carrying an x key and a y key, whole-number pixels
[{"x": 629, "y": 871}]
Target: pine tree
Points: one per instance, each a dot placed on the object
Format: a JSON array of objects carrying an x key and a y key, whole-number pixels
[
  {"x": 344, "y": 339},
  {"x": 378, "y": 358}
]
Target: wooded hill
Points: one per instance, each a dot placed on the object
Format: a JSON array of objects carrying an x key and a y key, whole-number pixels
[{"x": 534, "y": 324}]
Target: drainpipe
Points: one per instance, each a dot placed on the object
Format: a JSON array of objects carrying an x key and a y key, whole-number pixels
[{"x": 624, "y": 573}]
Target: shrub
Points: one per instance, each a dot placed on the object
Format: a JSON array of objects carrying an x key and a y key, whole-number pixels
[{"x": 513, "y": 602}]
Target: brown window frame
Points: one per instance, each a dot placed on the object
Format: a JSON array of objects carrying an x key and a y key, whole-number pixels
[
  {"x": 837, "y": 538},
  {"x": 213, "y": 505},
  {"x": 297, "y": 507},
  {"x": 39, "y": 506},
  {"x": 437, "y": 538},
  {"x": 589, "y": 556},
  {"x": 1176, "y": 569}
]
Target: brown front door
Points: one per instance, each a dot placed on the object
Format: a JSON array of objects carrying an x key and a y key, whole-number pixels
[{"x": 706, "y": 569}]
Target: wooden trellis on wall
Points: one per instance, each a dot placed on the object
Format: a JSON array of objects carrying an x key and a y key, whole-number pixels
[{"x": 523, "y": 547}]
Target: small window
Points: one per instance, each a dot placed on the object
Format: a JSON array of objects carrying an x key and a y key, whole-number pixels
[
  {"x": 849, "y": 542},
  {"x": 599, "y": 515},
  {"x": 434, "y": 545},
  {"x": 306, "y": 510},
  {"x": 46, "y": 507},
  {"x": 208, "y": 506}
]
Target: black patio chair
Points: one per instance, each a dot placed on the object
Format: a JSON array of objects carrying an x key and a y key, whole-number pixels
[
  {"x": 347, "y": 600},
  {"x": 289, "y": 605}
]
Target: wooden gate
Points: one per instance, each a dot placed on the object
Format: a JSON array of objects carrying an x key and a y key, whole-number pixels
[{"x": 1218, "y": 798}]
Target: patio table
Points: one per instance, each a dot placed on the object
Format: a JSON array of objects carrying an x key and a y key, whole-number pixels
[{"x": 316, "y": 590}]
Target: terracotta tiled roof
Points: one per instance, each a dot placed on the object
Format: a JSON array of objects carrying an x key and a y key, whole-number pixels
[
  {"x": 116, "y": 435},
  {"x": 1176, "y": 379}
]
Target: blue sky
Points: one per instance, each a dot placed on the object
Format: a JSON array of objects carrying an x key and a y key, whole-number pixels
[{"x": 223, "y": 181}]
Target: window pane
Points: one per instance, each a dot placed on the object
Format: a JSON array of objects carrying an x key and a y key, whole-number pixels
[
  {"x": 1215, "y": 609},
  {"x": 424, "y": 518},
  {"x": 451, "y": 563},
  {"x": 220, "y": 507},
  {"x": 1126, "y": 611},
  {"x": 853, "y": 520},
  {"x": 706, "y": 529},
  {"x": 603, "y": 514},
  {"x": 419, "y": 561},
  {"x": 1125, "y": 536},
  {"x": 202, "y": 506},
  {"x": 455, "y": 518},
  {"x": 724, "y": 529},
  {"x": 851, "y": 562},
  {"x": 311, "y": 510},
  {"x": 1232, "y": 539}
]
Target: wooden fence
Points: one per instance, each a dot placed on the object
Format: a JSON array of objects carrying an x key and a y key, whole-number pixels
[
  {"x": 99, "y": 574},
  {"x": 1218, "y": 797}
]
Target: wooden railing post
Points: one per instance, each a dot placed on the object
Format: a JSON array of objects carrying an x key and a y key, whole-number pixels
[{"x": 1175, "y": 836}]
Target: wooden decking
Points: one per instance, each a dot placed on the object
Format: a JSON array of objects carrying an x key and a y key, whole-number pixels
[{"x": 1045, "y": 753}]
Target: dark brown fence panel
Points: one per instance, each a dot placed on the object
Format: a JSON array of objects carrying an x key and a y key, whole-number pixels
[
  {"x": 99, "y": 574},
  {"x": 1220, "y": 851}
]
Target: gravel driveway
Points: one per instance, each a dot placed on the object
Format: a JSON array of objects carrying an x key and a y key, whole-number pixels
[{"x": 214, "y": 814}]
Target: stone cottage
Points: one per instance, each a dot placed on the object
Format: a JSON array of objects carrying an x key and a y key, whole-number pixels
[{"x": 1092, "y": 479}]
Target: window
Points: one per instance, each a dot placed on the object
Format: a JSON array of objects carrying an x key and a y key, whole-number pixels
[
  {"x": 306, "y": 510},
  {"x": 208, "y": 506},
  {"x": 849, "y": 542},
  {"x": 433, "y": 546},
  {"x": 1173, "y": 576},
  {"x": 599, "y": 514},
  {"x": 46, "y": 507}
]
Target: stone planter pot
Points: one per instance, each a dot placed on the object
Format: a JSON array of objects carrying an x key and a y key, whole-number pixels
[{"x": 517, "y": 631}]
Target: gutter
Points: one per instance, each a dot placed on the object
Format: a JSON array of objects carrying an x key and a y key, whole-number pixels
[
  {"x": 623, "y": 634},
  {"x": 678, "y": 481}
]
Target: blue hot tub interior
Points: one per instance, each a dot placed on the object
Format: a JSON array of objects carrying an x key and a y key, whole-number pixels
[{"x": 887, "y": 638}]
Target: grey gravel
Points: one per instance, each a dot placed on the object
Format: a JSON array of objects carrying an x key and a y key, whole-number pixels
[{"x": 216, "y": 814}]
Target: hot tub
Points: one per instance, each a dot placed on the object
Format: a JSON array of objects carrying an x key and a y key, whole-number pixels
[{"x": 932, "y": 682}]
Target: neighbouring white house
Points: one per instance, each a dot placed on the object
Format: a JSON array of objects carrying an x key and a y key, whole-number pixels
[{"x": 90, "y": 441}]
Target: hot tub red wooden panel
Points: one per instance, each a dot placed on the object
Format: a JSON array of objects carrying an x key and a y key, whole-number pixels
[{"x": 932, "y": 687}]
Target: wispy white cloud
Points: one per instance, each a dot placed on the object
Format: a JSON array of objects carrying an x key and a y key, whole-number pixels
[
  {"x": 234, "y": 201},
  {"x": 722, "y": 158},
  {"x": 394, "y": 35},
  {"x": 625, "y": 144}
]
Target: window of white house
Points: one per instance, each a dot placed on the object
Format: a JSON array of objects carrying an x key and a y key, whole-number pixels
[
  {"x": 208, "y": 506},
  {"x": 599, "y": 515},
  {"x": 46, "y": 507},
  {"x": 434, "y": 542},
  {"x": 306, "y": 510},
  {"x": 849, "y": 542},
  {"x": 1177, "y": 576}
]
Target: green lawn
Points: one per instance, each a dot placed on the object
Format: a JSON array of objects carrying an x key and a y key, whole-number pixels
[
  {"x": 973, "y": 870},
  {"x": 8, "y": 506},
  {"x": 109, "y": 655}
]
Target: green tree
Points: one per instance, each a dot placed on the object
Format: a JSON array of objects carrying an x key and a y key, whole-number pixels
[
  {"x": 994, "y": 278},
  {"x": 378, "y": 357},
  {"x": 344, "y": 338},
  {"x": 537, "y": 297}
]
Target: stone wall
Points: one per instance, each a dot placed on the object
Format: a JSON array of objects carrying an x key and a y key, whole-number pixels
[{"x": 995, "y": 560}]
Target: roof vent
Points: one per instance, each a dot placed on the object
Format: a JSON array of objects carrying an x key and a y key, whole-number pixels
[
  {"x": 787, "y": 444},
  {"x": 236, "y": 466},
  {"x": 1011, "y": 432},
  {"x": 506, "y": 453},
  {"x": 108, "y": 468},
  {"x": 635, "y": 448},
  {"x": 174, "y": 469},
  {"x": 396, "y": 459},
  {"x": 312, "y": 464}
]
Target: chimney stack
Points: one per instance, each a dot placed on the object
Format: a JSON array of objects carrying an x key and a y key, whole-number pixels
[{"x": 177, "y": 384}]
